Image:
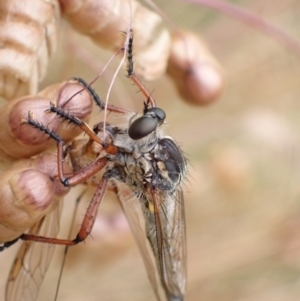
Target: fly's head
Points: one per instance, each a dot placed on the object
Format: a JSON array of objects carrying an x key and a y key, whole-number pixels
[{"x": 143, "y": 126}]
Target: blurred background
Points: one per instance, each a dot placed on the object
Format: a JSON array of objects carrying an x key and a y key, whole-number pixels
[{"x": 242, "y": 196}]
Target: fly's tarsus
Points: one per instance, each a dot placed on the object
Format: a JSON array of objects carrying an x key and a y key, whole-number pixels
[
  {"x": 41, "y": 127},
  {"x": 8, "y": 244},
  {"x": 131, "y": 73},
  {"x": 65, "y": 115},
  {"x": 95, "y": 96},
  {"x": 130, "y": 70}
]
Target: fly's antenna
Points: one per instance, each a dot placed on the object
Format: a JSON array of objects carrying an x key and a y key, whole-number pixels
[{"x": 146, "y": 106}]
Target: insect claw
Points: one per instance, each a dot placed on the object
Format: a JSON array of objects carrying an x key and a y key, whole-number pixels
[
  {"x": 65, "y": 182},
  {"x": 123, "y": 33},
  {"x": 29, "y": 118},
  {"x": 30, "y": 115},
  {"x": 8, "y": 244},
  {"x": 52, "y": 105},
  {"x": 77, "y": 240}
]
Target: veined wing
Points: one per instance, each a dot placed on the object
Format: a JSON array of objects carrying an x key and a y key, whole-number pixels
[
  {"x": 165, "y": 226},
  {"x": 165, "y": 260},
  {"x": 133, "y": 211},
  {"x": 32, "y": 260}
]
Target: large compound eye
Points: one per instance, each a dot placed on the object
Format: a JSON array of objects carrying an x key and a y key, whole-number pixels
[
  {"x": 159, "y": 114},
  {"x": 142, "y": 127}
]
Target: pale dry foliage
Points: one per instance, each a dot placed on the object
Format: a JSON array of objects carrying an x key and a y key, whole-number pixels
[{"x": 243, "y": 198}]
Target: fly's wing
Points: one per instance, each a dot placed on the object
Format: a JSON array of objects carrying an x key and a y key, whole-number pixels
[
  {"x": 32, "y": 260},
  {"x": 133, "y": 211},
  {"x": 165, "y": 229}
]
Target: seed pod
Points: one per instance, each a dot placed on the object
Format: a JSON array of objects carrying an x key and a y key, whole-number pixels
[
  {"x": 104, "y": 20},
  {"x": 196, "y": 73},
  {"x": 29, "y": 190},
  {"x": 28, "y": 37},
  {"x": 23, "y": 141},
  {"x": 24, "y": 56}
]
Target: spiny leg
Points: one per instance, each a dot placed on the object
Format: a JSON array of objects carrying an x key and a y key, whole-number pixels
[
  {"x": 95, "y": 96},
  {"x": 60, "y": 153},
  {"x": 76, "y": 121},
  {"x": 87, "y": 224},
  {"x": 131, "y": 74},
  {"x": 109, "y": 148},
  {"x": 97, "y": 99},
  {"x": 79, "y": 176}
]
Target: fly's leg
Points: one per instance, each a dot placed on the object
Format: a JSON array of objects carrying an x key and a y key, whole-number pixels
[
  {"x": 89, "y": 218},
  {"x": 131, "y": 74},
  {"x": 96, "y": 98},
  {"x": 76, "y": 121},
  {"x": 8, "y": 244},
  {"x": 85, "y": 173},
  {"x": 53, "y": 135},
  {"x": 77, "y": 177},
  {"x": 87, "y": 224}
]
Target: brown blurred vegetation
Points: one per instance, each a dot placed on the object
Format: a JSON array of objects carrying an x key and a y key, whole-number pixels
[{"x": 242, "y": 195}]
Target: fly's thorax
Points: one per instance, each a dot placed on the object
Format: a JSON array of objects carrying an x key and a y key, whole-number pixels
[
  {"x": 161, "y": 167},
  {"x": 154, "y": 161},
  {"x": 136, "y": 159}
]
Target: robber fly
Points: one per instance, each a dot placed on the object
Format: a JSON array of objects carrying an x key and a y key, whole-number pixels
[{"x": 138, "y": 158}]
